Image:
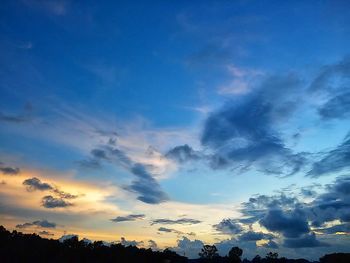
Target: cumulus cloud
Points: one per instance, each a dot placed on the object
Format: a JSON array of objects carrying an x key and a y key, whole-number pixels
[
  {"x": 290, "y": 224},
  {"x": 127, "y": 243},
  {"x": 131, "y": 217},
  {"x": 254, "y": 236},
  {"x": 39, "y": 223},
  {"x": 68, "y": 237},
  {"x": 307, "y": 240},
  {"x": 228, "y": 226},
  {"x": 51, "y": 202},
  {"x": 188, "y": 248},
  {"x": 152, "y": 244},
  {"x": 181, "y": 221}
]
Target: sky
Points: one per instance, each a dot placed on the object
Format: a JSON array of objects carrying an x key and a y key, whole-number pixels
[{"x": 173, "y": 124}]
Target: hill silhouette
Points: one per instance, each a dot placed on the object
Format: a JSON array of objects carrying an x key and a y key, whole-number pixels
[{"x": 18, "y": 247}]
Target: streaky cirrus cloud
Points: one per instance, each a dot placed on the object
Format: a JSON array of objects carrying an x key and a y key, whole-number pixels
[
  {"x": 181, "y": 221},
  {"x": 39, "y": 223},
  {"x": 131, "y": 217}
]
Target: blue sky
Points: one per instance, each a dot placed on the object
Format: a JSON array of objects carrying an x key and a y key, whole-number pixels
[{"x": 177, "y": 110}]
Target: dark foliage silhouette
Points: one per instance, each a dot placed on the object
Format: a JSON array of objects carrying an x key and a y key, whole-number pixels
[
  {"x": 235, "y": 254},
  {"x": 17, "y": 247},
  {"x": 208, "y": 253}
]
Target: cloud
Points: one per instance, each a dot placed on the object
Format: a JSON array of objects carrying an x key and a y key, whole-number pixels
[
  {"x": 335, "y": 160},
  {"x": 243, "y": 133},
  {"x": 152, "y": 244},
  {"x": 342, "y": 228},
  {"x": 127, "y": 243},
  {"x": 45, "y": 233},
  {"x": 144, "y": 185},
  {"x": 337, "y": 107},
  {"x": 334, "y": 204},
  {"x": 254, "y": 236},
  {"x": 271, "y": 244},
  {"x": 181, "y": 221},
  {"x": 14, "y": 118},
  {"x": 39, "y": 223},
  {"x": 34, "y": 184},
  {"x": 177, "y": 232},
  {"x": 188, "y": 248},
  {"x": 308, "y": 240},
  {"x": 9, "y": 170},
  {"x": 183, "y": 153},
  {"x": 128, "y": 218},
  {"x": 52, "y": 202},
  {"x": 67, "y": 237},
  {"x": 290, "y": 224},
  {"x": 228, "y": 226}
]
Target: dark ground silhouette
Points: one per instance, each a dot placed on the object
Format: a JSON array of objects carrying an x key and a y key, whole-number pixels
[{"x": 18, "y": 247}]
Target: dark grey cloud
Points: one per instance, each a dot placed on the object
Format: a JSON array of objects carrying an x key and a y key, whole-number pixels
[
  {"x": 63, "y": 194},
  {"x": 131, "y": 217},
  {"x": 307, "y": 240},
  {"x": 13, "y": 118},
  {"x": 133, "y": 243},
  {"x": 145, "y": 186},
  {"x": 51, "y": 202},
  {"x": 228, "y": 226},
  {"x": 9, "y": 170},
  {"x": 333, "y": 161},
  {"x": 183, "y": 153},
  {"x": 322, "y": 83},
  {"x": 254, "y": 236},
  {"x": 164, "y": 229},
  {"x": 45, "y": 233},
  {"x": 342, "y": 228},
  {"x": 337, "y": 107},
  {"x": 39, "y": 223},
  {"x": 334, "y": 204},
  {"x": 271, "y": 244},
  {"x": 332, "y": 84},
  {"x": 177, "y": 232},
  {"x": 34, "y": 184},
  {"x": 181, "y": 221},
  {"x": 152, "y": 244},
  {"x": 289, "y": 223},
  {"x": 244, "y": 134}
]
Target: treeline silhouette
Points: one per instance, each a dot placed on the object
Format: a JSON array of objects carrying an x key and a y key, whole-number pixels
[{"x": 18, "y": 247}]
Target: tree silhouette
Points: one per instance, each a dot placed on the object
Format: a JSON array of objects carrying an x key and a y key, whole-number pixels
[
  {"x": 235, "y": 255},
  {"x": 208, "y": 252},
  {"x": 271, "y": 257},
  {"x": 256, "y": 259}
]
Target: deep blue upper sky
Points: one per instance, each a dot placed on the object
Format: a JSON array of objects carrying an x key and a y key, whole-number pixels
[{"x": 159, "y": 109}]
